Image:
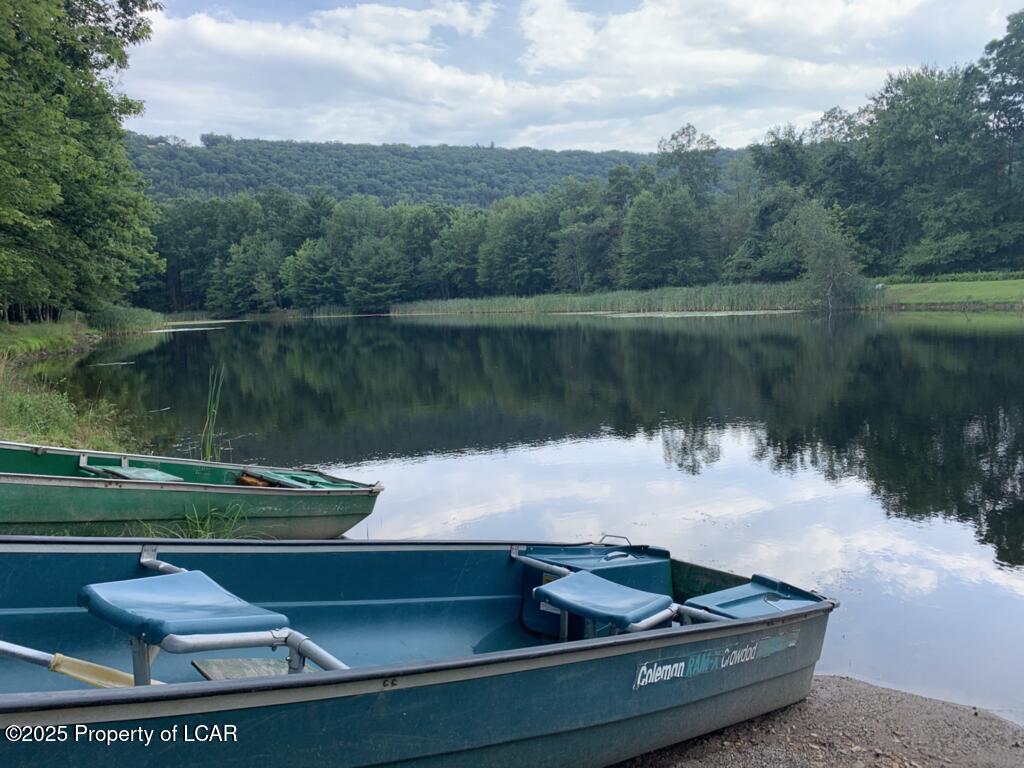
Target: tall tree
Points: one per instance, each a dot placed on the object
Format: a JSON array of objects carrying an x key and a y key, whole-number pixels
[
  {"x": 378, "y": 276},
  {"x": 70, "y": 202},
  {"x": 934, "y": 152},
  {"x": 517, "y": 252},
  {"x": 451, "y": 268},
  {"x": 690, "y": 158}
]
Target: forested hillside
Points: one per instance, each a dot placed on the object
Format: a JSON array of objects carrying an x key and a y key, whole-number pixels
[
  {"x": 224, "y": 166},
  {"x": 924, "y": 179}
]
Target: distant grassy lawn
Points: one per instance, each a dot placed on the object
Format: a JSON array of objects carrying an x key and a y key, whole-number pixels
[{"x": 979, "y": 292}]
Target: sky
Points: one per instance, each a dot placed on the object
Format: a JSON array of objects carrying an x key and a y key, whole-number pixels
[{"x": 558, "y": 74}]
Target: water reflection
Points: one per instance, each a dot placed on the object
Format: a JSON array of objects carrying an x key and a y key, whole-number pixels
[
  {"x": 927, "y": 413},
  {"x": 880, "y": 460}
]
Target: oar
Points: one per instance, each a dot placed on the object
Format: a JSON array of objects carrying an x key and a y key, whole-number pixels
[{"x": 79, "y": 669}]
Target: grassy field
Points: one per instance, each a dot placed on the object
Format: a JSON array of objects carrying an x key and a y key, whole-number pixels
[
  {"x": 988, "y": 292},
  {"x": 708, "y": 298}
]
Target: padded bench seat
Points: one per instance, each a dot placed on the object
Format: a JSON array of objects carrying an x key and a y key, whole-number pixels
[
  {"x": 586, "y": 594},
  {"x": 186, "y": 603}
]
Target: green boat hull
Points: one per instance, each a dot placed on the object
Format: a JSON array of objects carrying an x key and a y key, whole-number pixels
[{"x": 41, "y": 494}]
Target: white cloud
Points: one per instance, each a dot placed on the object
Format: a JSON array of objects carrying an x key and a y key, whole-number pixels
[
  {"x": 558, "y": 35},
  {"x": 555, "y": 74},
  {"x": 388, "y": 23}
]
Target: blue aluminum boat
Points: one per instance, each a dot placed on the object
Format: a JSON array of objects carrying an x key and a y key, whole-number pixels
[{"x": 342, "y": 653}]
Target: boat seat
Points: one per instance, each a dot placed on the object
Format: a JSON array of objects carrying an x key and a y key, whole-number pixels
[
  {"x": 186, "y": 603},
  {"x": 134, "y": 473},
  {"x": 124, "y": 471},
  {"x": 188, "y": 612},
  {"x": 593, "y": 597}
]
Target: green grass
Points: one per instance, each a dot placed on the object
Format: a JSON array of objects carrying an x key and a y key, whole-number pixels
[
  {"x": 708, "y": 298},
  {"x": 212, "y": 524},
  {"x": 34, "y": 413},
  {"x": 26, "y": 339},
  {"x": 116, "y": 320},
  {"x": 952, "y": 277},
  {"x": 967, "y": 293}
]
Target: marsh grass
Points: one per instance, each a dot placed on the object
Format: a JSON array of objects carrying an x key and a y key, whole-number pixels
[
  {"x": 705, "y": 298},
  {"x": 186, "y": 316},
  {"x": 117, "y": 320},
  {"x": 32, "y": 412},
  {"x": 215, "y": 523}
]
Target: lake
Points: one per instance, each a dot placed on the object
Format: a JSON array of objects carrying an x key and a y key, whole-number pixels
[{"x": 879, "y": 460}]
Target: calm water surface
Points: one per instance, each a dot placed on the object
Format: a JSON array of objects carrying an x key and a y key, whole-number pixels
[{"x": 880, "y": 460}]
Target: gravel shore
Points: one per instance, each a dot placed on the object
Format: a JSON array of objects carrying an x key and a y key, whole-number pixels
[{"x": 849, "y": 724}]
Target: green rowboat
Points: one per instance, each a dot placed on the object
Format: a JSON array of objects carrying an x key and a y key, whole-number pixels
[{"x": 64, "y": 491}]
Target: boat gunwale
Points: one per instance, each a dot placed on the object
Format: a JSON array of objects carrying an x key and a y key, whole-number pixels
[
  {"x": 65, "y": 481},
  {"x": 362, "y": 489},
  {"x": 601, "y": 647}
]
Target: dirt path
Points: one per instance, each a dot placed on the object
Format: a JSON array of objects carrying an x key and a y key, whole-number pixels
[{"x": 849, "y": 724}]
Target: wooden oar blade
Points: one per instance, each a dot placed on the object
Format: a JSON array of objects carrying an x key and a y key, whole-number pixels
[{"x": 94, "y": 674}]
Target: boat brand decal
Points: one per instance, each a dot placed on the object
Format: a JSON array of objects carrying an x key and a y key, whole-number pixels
[{"x": 711, "y": 660}]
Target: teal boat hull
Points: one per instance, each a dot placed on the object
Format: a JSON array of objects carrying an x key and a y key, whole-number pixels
[{"x": 585, "y": 702}]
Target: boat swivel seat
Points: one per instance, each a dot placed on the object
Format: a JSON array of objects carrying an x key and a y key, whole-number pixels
[
  {"x": 597, "y": 599},
  {"x": 187, "y": 612},
  {"x": 600, "y": 601}
]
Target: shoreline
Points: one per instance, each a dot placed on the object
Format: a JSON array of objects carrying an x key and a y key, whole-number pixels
[
  {"x": 846, "y": 723},
  {"x": 288, "y": 316}
]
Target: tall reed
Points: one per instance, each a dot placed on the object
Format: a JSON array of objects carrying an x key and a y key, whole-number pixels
[
  {"x": 704, "y": 298},
  {"x": 114, "y": 319},
  {"x": 207, "y": 440}
]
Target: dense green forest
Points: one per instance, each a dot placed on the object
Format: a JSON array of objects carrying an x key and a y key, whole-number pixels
[
  {"x": 923, "y": 179},
  {"x": 224, "y": 166},
  {"x": 73, "y": 217}
]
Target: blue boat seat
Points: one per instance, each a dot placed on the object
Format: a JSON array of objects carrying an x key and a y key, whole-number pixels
[
  {"x": 761, "y": 596},
  {"x": 186, "y": 603},
  {"x": 586, "y": 594}
]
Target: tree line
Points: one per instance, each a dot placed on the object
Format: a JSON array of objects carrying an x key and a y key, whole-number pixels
[{"x": 923, "y": 179}]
